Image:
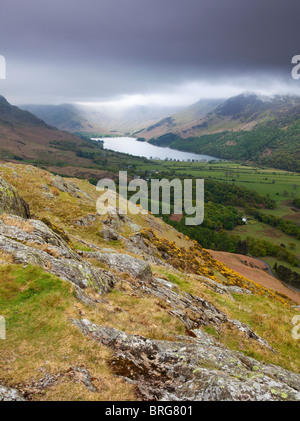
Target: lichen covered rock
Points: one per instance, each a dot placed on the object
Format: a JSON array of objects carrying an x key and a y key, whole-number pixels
[
  {"x": 11, "y": 202},
  {"x": 33, "y": 242},
  {"x": 124, "y": 263},
  {"x": 194, "y": 311},
  {"x": 10, "y": 395},
  {"x": 192, "y": 369}
]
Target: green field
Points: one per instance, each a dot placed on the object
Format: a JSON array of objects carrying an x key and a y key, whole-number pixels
[
  {"x": 281, "y": 186},
  {"x": 278, "y": 184}
]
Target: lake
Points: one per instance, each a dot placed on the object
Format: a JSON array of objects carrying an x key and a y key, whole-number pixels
[{"x": 133, "y": 147}]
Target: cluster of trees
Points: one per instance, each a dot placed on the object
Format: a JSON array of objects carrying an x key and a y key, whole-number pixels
[
  {"x": 262, "y": 248},
  {"x": 221, "y": 216},
  {"x": 296, "y": 202},
  {"x": 64, "y": 145},
  {"x": 218, "y": 217},
  {"x": 93, "y": 151},
  {"x": 287, "y": 275},
  {"x": 86, "y": 154},
  {"x": 228, "y": 194}
]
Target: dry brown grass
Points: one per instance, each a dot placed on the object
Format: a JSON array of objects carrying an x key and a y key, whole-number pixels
[
  {"x": 128, "y": 310},
  {"x": 5, "y": 257},
  {"x": 53, "y": 251},
  {"x": 18, "y": 223},
  {"x": 54, "y": 191}
]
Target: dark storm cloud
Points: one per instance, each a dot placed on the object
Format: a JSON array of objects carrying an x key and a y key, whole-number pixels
[{"x": 97, "y": 48}]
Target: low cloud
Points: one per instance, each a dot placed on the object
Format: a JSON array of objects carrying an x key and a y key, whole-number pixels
[{"x": 125, "y": 52}]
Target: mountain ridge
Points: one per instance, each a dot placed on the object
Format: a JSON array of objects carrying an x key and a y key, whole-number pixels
[
  {"x": 65, "y": 117},
  {"x": 25, "y": 137},
  {"x": 105, "y": 120},
  {"x": 246, "y": 128},
  {"x": 241, "y": 112}
]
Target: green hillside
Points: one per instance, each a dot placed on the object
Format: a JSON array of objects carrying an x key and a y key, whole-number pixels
[{"x": 269, "y": 144}]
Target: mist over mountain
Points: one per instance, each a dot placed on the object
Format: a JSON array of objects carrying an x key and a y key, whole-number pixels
[
  {"x": 13, "y": 117},
  {"x": 264, "y": 130},
  {"x": 100, "y": 119},
  {"x": 182, "y": 120},
  {"x": 65, "y": 117},
  {"x": 249, "y": 126},
  {"x": 242, "y": 112}
]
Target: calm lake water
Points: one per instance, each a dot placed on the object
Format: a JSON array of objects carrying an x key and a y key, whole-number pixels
[{"x": 133, "y": 147}]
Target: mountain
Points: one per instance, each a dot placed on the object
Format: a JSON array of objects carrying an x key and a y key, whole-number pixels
[
  {"x": 242, "y": 112},
  {"x": 65, "y": 117},
  {"x": 182, "y": 121},
  {"x": 246, "y": 127},
  {"x": 101, "y": 119},
  {"x": 25, "y": 137},
  {"x": 124, "y": 307},
  {"x": 128, "y": 119}
]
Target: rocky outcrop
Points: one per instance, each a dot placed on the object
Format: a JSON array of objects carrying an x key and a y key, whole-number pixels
[
  {"x": 35, "y": 232},
  {"x": 223, "y": 289},
  {"x": 69, "y": 187},
  {"x": 192, "y": 369},
  {"x": 194, "y": 311},
  {"x": 31, "y": 241},
  {"x": 34, "y": 387},
  {"x": 191, "y": 310},
  {"x": 109, "y": 234},
  {"x": 124, "y": 263},
  {"x": 11, "y": 202},
  {"x": 115, "y": 220},
  {"x": 86, "y": 220},
  {"x": 10, "y": 395}
]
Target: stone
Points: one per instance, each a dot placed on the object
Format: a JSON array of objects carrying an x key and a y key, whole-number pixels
[
  {"x": 86, "y": 220},
  {"x": 124, "y": 263},
  {"x": 71, "y": 269},
  {"x": 10, "y": 395},
  {"x": 109, "y": 234},
  {"x": 70, "y": 187},
  {"x": 194, "y": 311},
  {"x": 11, "y": 202},
  {"x": 34, "y": 231},
  {"x": 193, "y": 369},
  {"x": 223, "y": 289}
]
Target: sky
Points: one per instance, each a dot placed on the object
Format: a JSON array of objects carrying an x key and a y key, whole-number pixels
[{"x": 148, "y": 52}]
